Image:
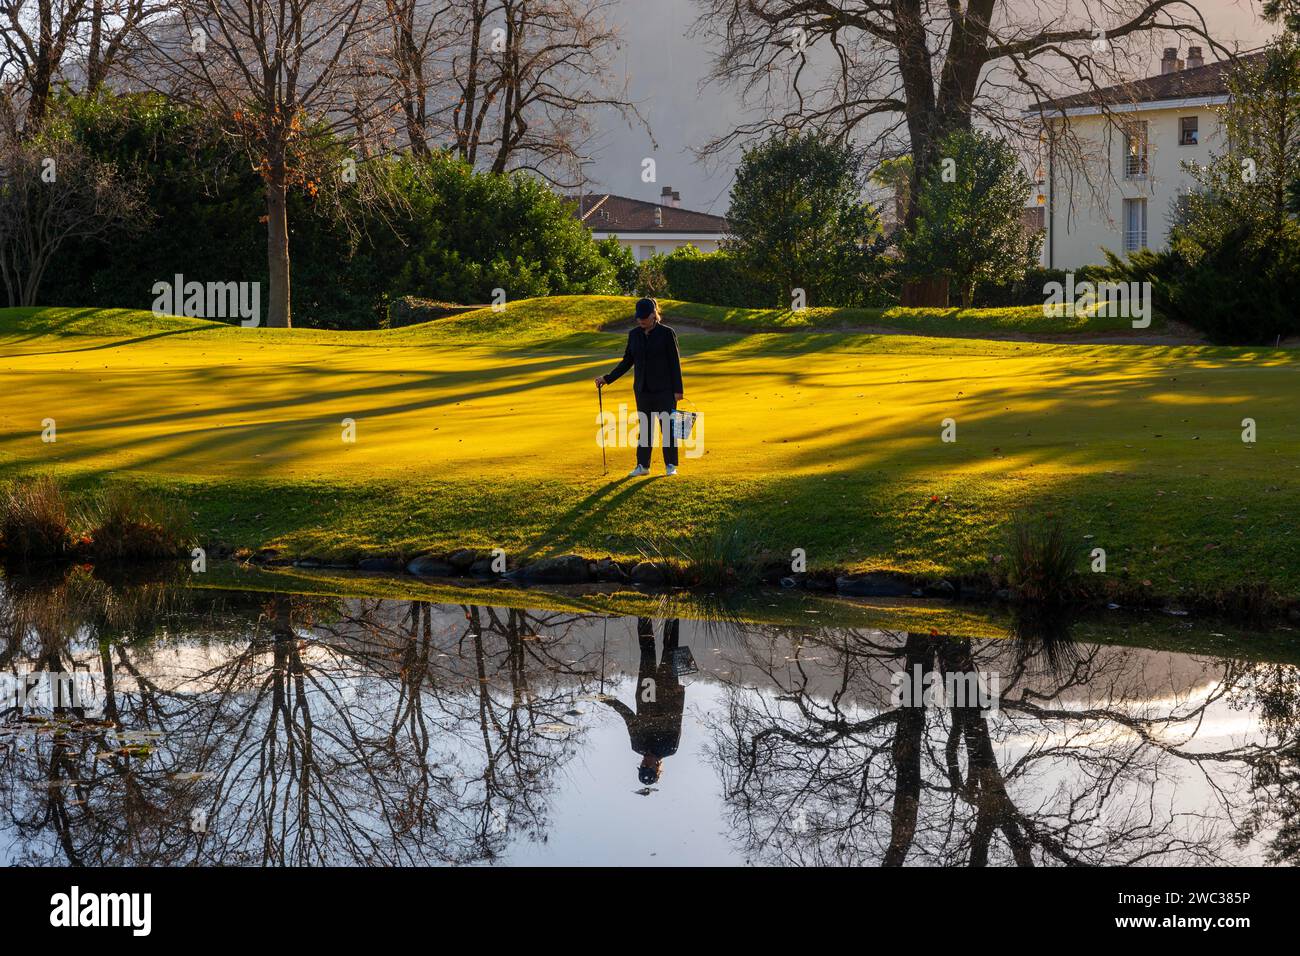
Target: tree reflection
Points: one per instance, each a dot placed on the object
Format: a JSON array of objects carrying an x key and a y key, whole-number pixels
[
  {"x": 329, "y": 732},
  {"x": 1077, "y": 768},
  {"x": 270, "y": 729}
]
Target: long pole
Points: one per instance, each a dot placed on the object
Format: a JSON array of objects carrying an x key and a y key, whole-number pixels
[{"x": 600, "y": 401}]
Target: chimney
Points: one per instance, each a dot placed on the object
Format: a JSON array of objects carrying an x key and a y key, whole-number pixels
[
  {"x": 677, "y": 199},
  {"x": 1194, "y": 57},
  {"x": 1169, "y": 62}
]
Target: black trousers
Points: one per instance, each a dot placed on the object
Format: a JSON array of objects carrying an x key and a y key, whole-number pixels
[{"x": 657, "y": 408}]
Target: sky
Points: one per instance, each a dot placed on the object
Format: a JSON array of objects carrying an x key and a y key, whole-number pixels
[{"x": 664, "y": 67}]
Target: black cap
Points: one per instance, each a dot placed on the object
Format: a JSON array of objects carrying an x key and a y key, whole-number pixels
[
  {"x": 647, "y": 775},
  {"x": 645, "y": 307}
]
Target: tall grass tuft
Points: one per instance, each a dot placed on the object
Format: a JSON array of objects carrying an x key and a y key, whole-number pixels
[
  {"x": 34, "y": 521},
  {"x": 130, "y": 525},
  {"x": 1044, "y": 561},
  {"x": 730, "y": 556}
]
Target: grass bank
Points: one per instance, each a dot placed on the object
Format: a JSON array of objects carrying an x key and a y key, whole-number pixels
[{"x": 480, "y": 431}]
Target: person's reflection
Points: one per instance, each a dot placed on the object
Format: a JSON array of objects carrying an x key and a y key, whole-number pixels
[{"x": 655, "y": 728}]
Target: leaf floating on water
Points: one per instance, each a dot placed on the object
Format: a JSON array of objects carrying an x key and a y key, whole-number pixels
[
  {"x": 555, "y": 728},
  {"x": 134, "y": 750},
  {"x": 127, "y": 736}
]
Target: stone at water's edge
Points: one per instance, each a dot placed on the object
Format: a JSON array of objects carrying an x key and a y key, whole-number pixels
[
  {"x": 565, "y": 569},
  {"x": 426, "y": 565},
  {"x": 607, "y": 569},
  {"x": 647, "y": 573},
  {"x": 462, "y": 559}
]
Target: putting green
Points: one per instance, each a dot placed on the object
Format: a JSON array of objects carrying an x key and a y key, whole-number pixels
[{"x": 835, "y": 439}]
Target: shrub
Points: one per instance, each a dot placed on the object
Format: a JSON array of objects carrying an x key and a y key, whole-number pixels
[
  {"x": 34, "y": 522},
  {"x": 650, "y": 278},
  {"x": 626, "y": 269},
  {"x": 798, "y": 221},
  {"x": 1235, "y": 270},
  {"x": 127, "y": 525},
  {"x": 204, "y": 199},
  {"x": 968, "y": 225},
  {"x": 1027, "y": 289},
  {"x": 1236, "y": 291},
  {"x": 714, "y": 278},
  {"x": 468, "y": 233},
  {"x": 432, "y": 228}
]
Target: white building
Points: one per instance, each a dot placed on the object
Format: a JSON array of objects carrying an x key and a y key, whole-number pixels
[
  {"x": 1119, "y": 188},
  {"x": 649, "y": 228}
]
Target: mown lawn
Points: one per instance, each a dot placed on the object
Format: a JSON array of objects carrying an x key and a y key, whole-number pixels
[
  {"x": 480, "y": 430},
  {"x": 562, "y": 316}
]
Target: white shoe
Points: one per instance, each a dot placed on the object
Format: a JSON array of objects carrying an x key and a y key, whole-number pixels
[
  {"x": 638, "y": 472},
  {"x": 670, "y": 470}
]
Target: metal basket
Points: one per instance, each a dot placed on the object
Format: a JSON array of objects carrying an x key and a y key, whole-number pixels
[
  {"x": 683, "y": 421},
  {"x": 683, "y": 662}
]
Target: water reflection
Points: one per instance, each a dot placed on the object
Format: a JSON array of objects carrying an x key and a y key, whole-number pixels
[
  {"x": 655, "y": 727},
  {"x": 266, "y": 729}
]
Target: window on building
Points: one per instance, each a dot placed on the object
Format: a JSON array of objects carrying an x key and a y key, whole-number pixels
[
  {"x": 1135, "y": 150},
  {"x": 1135, "y": 224},
  {"x": 1188, "y": 130},
  {"x": 645, "y": 252}
]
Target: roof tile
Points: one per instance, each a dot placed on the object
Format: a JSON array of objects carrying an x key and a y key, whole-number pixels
[{"x": 605, "y": 212}]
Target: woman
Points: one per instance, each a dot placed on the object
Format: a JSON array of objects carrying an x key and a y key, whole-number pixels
[{"x": 656, "y": 382}]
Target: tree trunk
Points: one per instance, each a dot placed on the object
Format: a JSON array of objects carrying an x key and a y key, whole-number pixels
[
  {"x": 930, "y": 293},
  {"x": 279, "y": 313}
]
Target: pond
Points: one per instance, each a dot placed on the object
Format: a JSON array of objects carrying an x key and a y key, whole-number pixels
[{"x": 217, "y": 727}]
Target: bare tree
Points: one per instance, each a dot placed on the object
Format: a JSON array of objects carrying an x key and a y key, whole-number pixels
[
  {"x": 112, "y": 35},
  {"x": 505, "y": 84},
  {"x": 35, "y": 38},
  {"x": 51, "y": 192},
  {"x": 75, "y": 40},
  {"x": 901, "y": 76},
  {"x": 420, "y": 37},
  {"x": 289, "y": 78}
]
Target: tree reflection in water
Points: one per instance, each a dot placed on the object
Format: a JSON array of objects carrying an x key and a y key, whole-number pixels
[
  {"x": 329, "y": 732},
  {"x": 290, "y": 730},
  {"x": 1078, "y": 767}
]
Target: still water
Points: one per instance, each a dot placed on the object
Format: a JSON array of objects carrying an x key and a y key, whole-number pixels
[{"x": 234, "y": 728}]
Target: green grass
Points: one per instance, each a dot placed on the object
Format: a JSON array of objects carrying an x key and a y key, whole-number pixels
[
  {"x": 479, "y": 430},
  {"x": 549, "y": 319}
]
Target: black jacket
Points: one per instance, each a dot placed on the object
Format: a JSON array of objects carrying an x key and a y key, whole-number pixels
[{"x": 655, "y": 359}]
